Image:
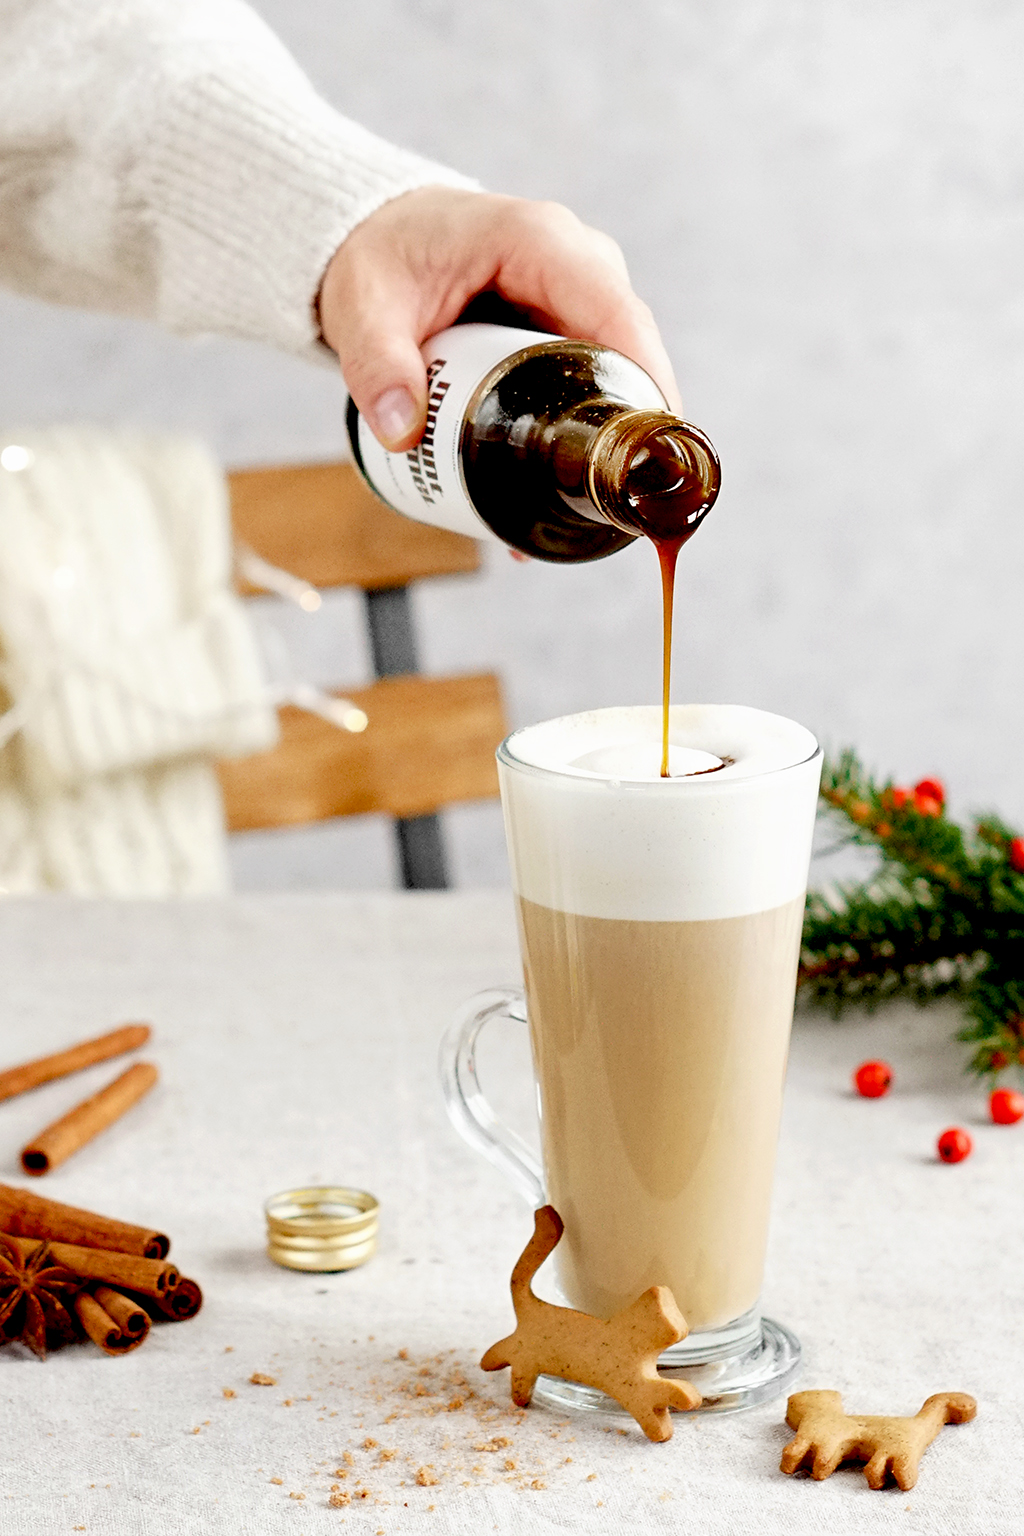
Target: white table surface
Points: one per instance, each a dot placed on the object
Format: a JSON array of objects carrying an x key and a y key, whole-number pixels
[{"x": 297, "y": 1040}]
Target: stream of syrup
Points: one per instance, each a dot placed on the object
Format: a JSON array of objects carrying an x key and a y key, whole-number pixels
[
  {"x": 670, "y": 490},
  {"x": 668, "y": 554}
]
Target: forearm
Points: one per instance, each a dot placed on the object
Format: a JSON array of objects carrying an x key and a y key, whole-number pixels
[{"x": 174, "y": 163}]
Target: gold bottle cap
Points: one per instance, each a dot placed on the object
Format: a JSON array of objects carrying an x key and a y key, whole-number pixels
[{"x": 323, "y": 1229}]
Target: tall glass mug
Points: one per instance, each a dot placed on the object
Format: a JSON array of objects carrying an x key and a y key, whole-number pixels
[{"x": 659, "y": 922}]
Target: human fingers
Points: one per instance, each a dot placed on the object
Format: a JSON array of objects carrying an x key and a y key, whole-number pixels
[
  {"x": 574, "y": 280},
  {"x": 410, "y": 268},
  {"x": 368, "y": 312}
]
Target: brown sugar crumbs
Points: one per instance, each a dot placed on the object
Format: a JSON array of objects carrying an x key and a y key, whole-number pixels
[{"x": 429, "y": 1447}]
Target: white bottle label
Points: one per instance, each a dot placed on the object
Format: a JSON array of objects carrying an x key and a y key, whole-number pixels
[{"x": 426, "y": 483}]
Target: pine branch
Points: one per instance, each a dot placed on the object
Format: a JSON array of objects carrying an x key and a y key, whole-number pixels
[{"x": 944, "y": 917}]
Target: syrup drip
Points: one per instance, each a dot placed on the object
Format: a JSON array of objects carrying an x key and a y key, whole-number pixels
[
  {"x": 669, "y": 494},
  {"x": 668, "y": 554}
]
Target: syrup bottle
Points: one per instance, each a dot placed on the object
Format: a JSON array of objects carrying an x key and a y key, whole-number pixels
[{"x": 563, "y": 449}]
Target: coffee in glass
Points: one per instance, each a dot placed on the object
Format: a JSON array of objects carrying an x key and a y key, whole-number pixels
[{"x": 660, "y": 925}]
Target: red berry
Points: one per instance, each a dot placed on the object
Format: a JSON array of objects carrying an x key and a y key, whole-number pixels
[
  {"x": 897, "y": 798},
  {"x": 997, "y": 1061},
  {"x": 927, "y": 805},
  {"x": 954, "y": 1145},
  {"x": 930, "y": 789},
  {"x": 1006, "y": 1107},
  {"x": 872, "y": 1079},
  {"x": 1016, "y": 852}
]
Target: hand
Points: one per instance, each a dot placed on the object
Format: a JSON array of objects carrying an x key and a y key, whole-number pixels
[{"x": 411, "y": 268}]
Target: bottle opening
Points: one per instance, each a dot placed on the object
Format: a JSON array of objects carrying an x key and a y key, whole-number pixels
[{"x": 654, "y": 474}]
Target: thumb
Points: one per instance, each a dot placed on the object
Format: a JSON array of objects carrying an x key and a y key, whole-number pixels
[{"x": 374, "y": 334}]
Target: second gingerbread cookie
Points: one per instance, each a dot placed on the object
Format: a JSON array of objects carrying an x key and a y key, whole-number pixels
[{"x": 826, "y": 1436}]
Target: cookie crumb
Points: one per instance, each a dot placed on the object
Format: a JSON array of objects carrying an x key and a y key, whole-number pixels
[
  {"x": 387, "y": 1455},
  {"x": 296, "y": 1495},
  {"x": 339, "y": 1500},
  {"x": 277, "y": 1481},
  {"x": 229, "y": 1392},
  {"x": 537, "y": 1483},
  {"x": 426, "y": 1477},
  {"x": 261, "y": 1379},
  {"x": 369, "y": 1445},
  {"x": 510, "y": 1465},
  {"x": 403, "y": 1354},
  {"x": 592, "y": 1478}
]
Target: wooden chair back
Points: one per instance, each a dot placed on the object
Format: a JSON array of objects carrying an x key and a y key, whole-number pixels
[{"x": 430, "y": 742}]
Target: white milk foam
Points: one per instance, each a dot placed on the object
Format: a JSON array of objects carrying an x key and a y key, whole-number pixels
[{"x": 593, "y": 829}]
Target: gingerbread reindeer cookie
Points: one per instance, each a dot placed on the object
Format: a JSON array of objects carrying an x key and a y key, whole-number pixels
[
  {"x": 618, "y": 1356},
  {"x": 825, "y": 1436}
]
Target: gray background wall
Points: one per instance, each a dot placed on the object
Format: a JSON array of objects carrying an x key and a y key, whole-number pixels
[{"x": 823, "y": 205}]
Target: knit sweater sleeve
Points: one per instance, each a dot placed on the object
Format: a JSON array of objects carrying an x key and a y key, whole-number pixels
[{"x": 171, "y": 161}]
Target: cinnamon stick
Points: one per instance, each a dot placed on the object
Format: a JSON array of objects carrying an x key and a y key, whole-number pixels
[
  {"x": 127, "y": 1314},
  {"x": 57, "y": 1142},
  {"x": 182, "y": 1301},
  {"x": 102, "y": 1328},
  {"x": 26, "y": 1214},
  {"x": 149, "y": 1277},
  {"x": 43, "y": 1070}
]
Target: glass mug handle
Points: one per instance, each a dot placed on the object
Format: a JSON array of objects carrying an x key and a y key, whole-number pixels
[{"x": 468, "y": 1110}]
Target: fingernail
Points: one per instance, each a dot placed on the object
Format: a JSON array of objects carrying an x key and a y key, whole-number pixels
[{"x": 393, "y": 415}]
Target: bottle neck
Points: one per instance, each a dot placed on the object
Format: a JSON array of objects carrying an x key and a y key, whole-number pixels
[{"x": 649, "y": 472}]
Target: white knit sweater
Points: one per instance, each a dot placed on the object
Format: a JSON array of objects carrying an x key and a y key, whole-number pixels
[
  {"x": 126, "y": 664},
  {"x": 168, "y": 159}
]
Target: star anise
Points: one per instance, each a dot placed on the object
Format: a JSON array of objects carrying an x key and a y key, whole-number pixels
[{"x": 34, "y": 1293}]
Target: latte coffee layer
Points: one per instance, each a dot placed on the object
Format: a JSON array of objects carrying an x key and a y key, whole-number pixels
[{"x": 660, "y": 1051}]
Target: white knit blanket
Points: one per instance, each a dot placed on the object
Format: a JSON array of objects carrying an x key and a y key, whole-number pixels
[{"x": 127, "y": 664}]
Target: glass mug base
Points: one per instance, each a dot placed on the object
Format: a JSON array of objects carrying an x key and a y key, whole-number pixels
[{"x": 755, "y": 1372}]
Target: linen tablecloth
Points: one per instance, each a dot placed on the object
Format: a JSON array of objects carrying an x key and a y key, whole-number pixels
[{"x": 297, "y": 1041}]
